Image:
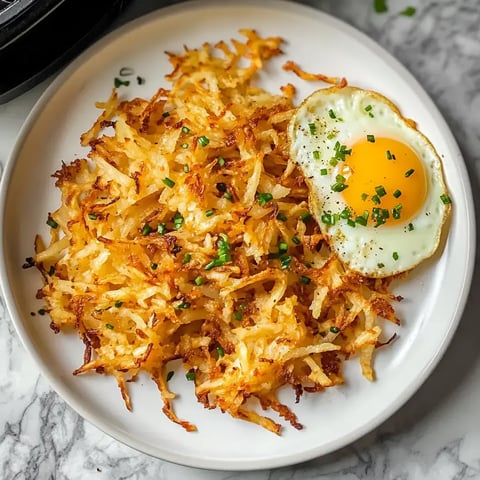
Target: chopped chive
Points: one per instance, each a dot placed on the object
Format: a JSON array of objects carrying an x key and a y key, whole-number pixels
[
  {"x": 186, "y": 168},
  {"x": 282, "y": 247},
  {"x": 118, "y": 304},
  {"x": 408, "y": 12},
  {"x": 361, "y": 220},
  {"x": 323, "y": 171},
  {"x": 264, "y": 198},
  {"x": 380, "y": 189},
  {"x": 340, "y": 179},
  {"x": 184, "y": 145},
  {"x": 334, "y": 329},
  {"x": 92, "y": 216},
  {"x": 296, "y": 240},
  {"x": 109, "y": 326},
  {"x": 220, "y": 351},
  {"x": 51, "y": 222},
  {"x": 168, "y": 182},
  {"x": 389, "y": 155},
  {"x": 331, "y": 114},
  {"x": 338, "y": 187},
  {"x": 351, "y": 223},
  {"x": 183, "y": 306},
  {"x": 345, "y": 213},
  {"x": 376, "y": 199},
  {"x": 282, "y": 217},
  {"x": 221, "y": 187},
  {"x": 209, "y": 213},
  {"x": 395, "y": 255},
  {"x": 203, "y": 141},
  {"x": 364, "y": 196},
  {"x": 445, "y": 199},
  {"x": 154, "y": 266},
  {"x": 316, "y": 154},
  {"x": 190, "y": 376},
  {"x": 227, "y": 195},
  {"x": 140, "y": 80},
  {"x": 305, "y": 280},
  {"x": 397, "y": 193},
  {"x": 221, "y": 161},
  {"x": 327, "y": 219},
  {"x": 331, "y": 135},
  {"x": 185, "y": 130},
  {"x": 396, "y": 211},
  {"x": 380, "y": 6},
  {"x": 409, "y": 172},
  {"x": 170, "y": 375},
  {"x": 410, "y": 227},
  {"x": 368, "y": 108},
  {"x": 178, "y": 220},
  {"x": 126, "y": 71},
  {"x": 165, "y": 114},
  {"x": 118, "y": 82},
  {"x": 333, "y": 162},
  {"x": 237, "y": 316},
  {"x": 380, "y": 265},
  {"x": 198, "y": 281},
  {"x": 162, "y": 228},
  {"x": 305, "y": 217},
  {"x": 186, "y": 258},
  {"x": 146, "y": 229},
  {"x": 312, "y": 127},
  {"x": 285, "y": 262},
  {"x": 371, "y": 138}
]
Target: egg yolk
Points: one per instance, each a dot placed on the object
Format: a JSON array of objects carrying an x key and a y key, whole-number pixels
[{"x": 385, "y": 178}]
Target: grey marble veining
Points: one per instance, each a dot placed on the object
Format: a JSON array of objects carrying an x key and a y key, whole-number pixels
[{"x": 436, "y": 435}]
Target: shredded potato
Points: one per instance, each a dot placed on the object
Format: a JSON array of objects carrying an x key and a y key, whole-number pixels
[{"x": 186, "y": 234}]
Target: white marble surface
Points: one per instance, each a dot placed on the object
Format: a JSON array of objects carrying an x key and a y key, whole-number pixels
[{"x": 436, "y": 435}]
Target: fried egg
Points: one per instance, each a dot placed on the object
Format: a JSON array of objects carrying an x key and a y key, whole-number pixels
[{"x": 376, "y": 183}]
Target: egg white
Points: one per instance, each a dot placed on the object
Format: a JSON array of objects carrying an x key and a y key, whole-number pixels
[{"x": 372, "y": 251}]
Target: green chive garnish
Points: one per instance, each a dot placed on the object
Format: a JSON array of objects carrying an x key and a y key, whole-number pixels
[
  {"x": 285, "y": 262},
  {"x": 368, "y": 108},
  {"x": 227, "y": 195},
  {"x": 203, "y": 141},
  {"x": 146, "y": 229},
  {"x": 154, "y": 266},
  {"x": 371, "y": 138},
  {"x": 190, "y": 376},
  {"x": 283, "y": 247},
  {"x": 296, "y": 240},
  {"x": 376, "y": 199},
  {"x": 264, "y": 198},
  {"x": 162, "y": 228},
  {"x": 331, "y": 114},
  {"x": 338, "y": 187},
  {"x": 397, "y": 193},
  {"x": 409, "y": 172},
  {"x": 305, "y": 280},
  {"x": 184, "y": 145},
  {"x": 380, "y": 189},
  {"x": 118, "y": 82},
  {"x": 118, "y": 304},
  {"x": 316, "y": 154},
  {"x": 408, "y": 12},
  {"x": 351, "y": 223},
  {"x": 170, "y": 375},
  {"x": 445, "y": 199},
  {"x": 185, "y": 130},
  {"x": 168, "y": 182},
  {"x": 410, "y": 227},
  {"x": 364, "y": 196},
  {"x": 209, "y": 213},
  {"x": 183, "y": 306},
  {"x": 389, "y": 155},
  {"x": 305, "y": 217},
  {"x": 178, "y": 220},
  {"x": 165, "y": 114},
  {"x": 220, "y": 351},
  {"x": 380, "y": 6},
  {"x": 323, "y": 171},
  {"x": 198, "y": 281},
  {"x": 221, "y": 161},
  {"x": 51, "y": 222},
  {"x": 334, "y": 329},
  {"x": 395, "y": 255},
  {"x": 380, "y": 265},
  {"x": 312, "y": 127},
  {"x": 109, "y": 326},
  {"x": 282, "y": 217},
  {"x": 327, "y": 219},
  {"x": 186, "y": 168},
  {"x": 186, "y": 258},
  {"x": 237, "y": 316}
]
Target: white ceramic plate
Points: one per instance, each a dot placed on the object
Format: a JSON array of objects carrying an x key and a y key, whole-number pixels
[{"x": 435, "y": 293}]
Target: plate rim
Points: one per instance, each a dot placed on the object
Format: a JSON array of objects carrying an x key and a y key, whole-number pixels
[{"x": 393, "y": 406}]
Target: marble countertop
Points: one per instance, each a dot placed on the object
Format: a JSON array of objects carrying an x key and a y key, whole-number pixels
[{"x": 436, "y": 435}]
